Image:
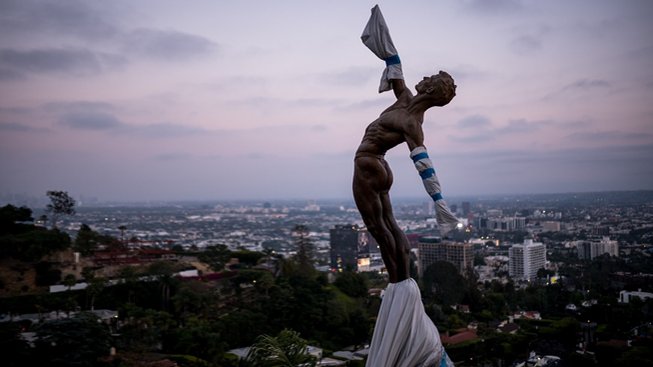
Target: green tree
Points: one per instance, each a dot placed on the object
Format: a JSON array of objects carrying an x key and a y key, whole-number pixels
[
  {"x": 442, "y": 280},
  {"x": 24, "y": 241},
  {"x": 215, "y": 256},
  {"x": 17, "y": 352},
  {"x": 79, "y": 341},
  {"x": 39, "y": 242},
  {"x": 164, "y": 271},
  {"x": 60, "y": 204},
  {"x": 88, "y": 274},
  {"x": 10, "y": 214},
  {"x": 86, "y": 241},
  {"x": 94, "y": 288},
  {"x": 193, "y": 298},
  {"x": 144, "y": 329},
  {"x": 129, "y": 277},
  {"x": 262, "y": 280},
  {"x": 352, "y": 284},
  {"x": 46, "y": 275},
  {"x": 69, "y": 280},
  {"x": 199, "y": 337},
  {"x": 637, "y": 356},
  {"x": 247, "y": 258},
  {"x": 244, "y": 325},
  {"x": 496, "y": 304},
  {"x": 287, "y": 349}
]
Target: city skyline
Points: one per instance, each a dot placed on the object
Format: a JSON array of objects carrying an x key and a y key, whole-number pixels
[{"x": 255, "y": 100}]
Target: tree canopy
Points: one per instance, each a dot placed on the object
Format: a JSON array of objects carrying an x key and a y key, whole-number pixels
[
  {"x": 25, "y": 241},
  {"x": 443, "y": 281},
  {"x": 287, "y": 349},
  {"x": 78, "y": 341},
  {"x": 60, "y": 204}
]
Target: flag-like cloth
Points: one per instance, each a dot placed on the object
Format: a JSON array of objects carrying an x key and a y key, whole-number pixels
[
  {"x": 404, "y": 336},
  {"x": 376, "y": 37}
]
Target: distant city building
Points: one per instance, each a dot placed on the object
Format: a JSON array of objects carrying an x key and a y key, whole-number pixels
[
  {"x": 432, "y": 249},
  {"x": 498, "y": 223},
  {"x": 494, "y": 212},
  {"x": 551, "y": 226},
  {"x": 311, "y": 206},
  {"x": 467, "y": 208},
  {"x": 453, "y": 207},
  {"x": 429, "y": 207},
  {"x": 587, "y": 250},
  {"x": 626, "y": 296},
  {"x": 600, "y": 231},
  {"x": 346, "y": 243},
  {"x": 526, "y": 259},
  {"x": 369, "y": 253},
  {"x": 501, "y": 224}
]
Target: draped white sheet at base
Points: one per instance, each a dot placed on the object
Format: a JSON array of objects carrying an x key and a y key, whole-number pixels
[{"x": 404, "y": 336}]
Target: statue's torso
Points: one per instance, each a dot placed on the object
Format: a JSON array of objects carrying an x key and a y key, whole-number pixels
[{"x": 388, "y": 131}]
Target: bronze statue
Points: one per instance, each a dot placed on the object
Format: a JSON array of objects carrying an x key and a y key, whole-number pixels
[
  {"x": 404, "y": 336},
  {"x": 399, "y": 123}
]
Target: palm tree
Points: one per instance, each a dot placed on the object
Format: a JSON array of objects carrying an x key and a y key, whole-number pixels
[
  {"x": 122, "y": 229},
  {"x": 164, "y": 272},
  {"x": 129, "y": 277},
  {"x": 94, "y": 288},
  {"x": 287, "y": 349}
]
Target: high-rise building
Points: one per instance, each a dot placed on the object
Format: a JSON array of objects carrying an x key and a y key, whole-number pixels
[
  {"x": 467, "y": 208},
  {"x": 432, "y": 249},
  {"x": 345, "y": 241},
  {"x": 587, "y": 250},
  {"x": 369, "y": 253},
  {"x": 520, "y": 223},
  {"x": 526, "y": 259}
]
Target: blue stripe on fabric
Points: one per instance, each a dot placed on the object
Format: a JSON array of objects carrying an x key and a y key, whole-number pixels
[
  {"x": 437, "y": 196},
  {"x": 427, "y": 173},
  {"x": 392, "y": 60},
  {"x": 443, "y": 361},
  {"x": 419, "y": 156}
]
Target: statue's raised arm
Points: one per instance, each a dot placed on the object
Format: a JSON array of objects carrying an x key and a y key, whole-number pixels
[{"x": 376, "y": 37}]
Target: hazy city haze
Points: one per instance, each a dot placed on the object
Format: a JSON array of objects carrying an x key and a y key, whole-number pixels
[{"x": 155, "y": 100}]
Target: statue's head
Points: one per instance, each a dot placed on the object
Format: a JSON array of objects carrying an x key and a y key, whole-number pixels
[{"x": 440, "y": 87}]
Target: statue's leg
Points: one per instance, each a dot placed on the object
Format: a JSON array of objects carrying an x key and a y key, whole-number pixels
[
  {"x": 370, "y": 186},
  {"x": 401, "y": 253}
]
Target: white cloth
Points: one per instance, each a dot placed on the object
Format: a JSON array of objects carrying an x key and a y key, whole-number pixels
[
  {"x": 404, "y": 336},
  {"x": 446, "y": 219},
  {"x": 376, "y": 37}
]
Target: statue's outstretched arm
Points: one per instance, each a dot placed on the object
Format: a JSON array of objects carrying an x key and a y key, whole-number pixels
[
  {"x": 376, "y": 37},
  {"x": 446, "y": 219},
  {"x": 398, "y": 86}
]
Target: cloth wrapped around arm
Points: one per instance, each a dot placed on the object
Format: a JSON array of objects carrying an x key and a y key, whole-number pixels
[
  {"x": 376, "y": 37},
  {"x": 446, "y": 219}
]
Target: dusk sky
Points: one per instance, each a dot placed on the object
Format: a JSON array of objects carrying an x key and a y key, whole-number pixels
[{"x": 188, "y": 100}]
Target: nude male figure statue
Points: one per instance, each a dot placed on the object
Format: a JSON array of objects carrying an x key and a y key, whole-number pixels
[{"x": 399, "y": 123}]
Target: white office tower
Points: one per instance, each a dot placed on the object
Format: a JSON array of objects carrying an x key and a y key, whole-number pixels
[{"x": 526, "y": 259}]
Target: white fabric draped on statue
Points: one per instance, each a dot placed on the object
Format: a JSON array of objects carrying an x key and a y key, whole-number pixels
[
  {"x": 404, "y": 336},
  {"x": 376, "y": 37}
]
